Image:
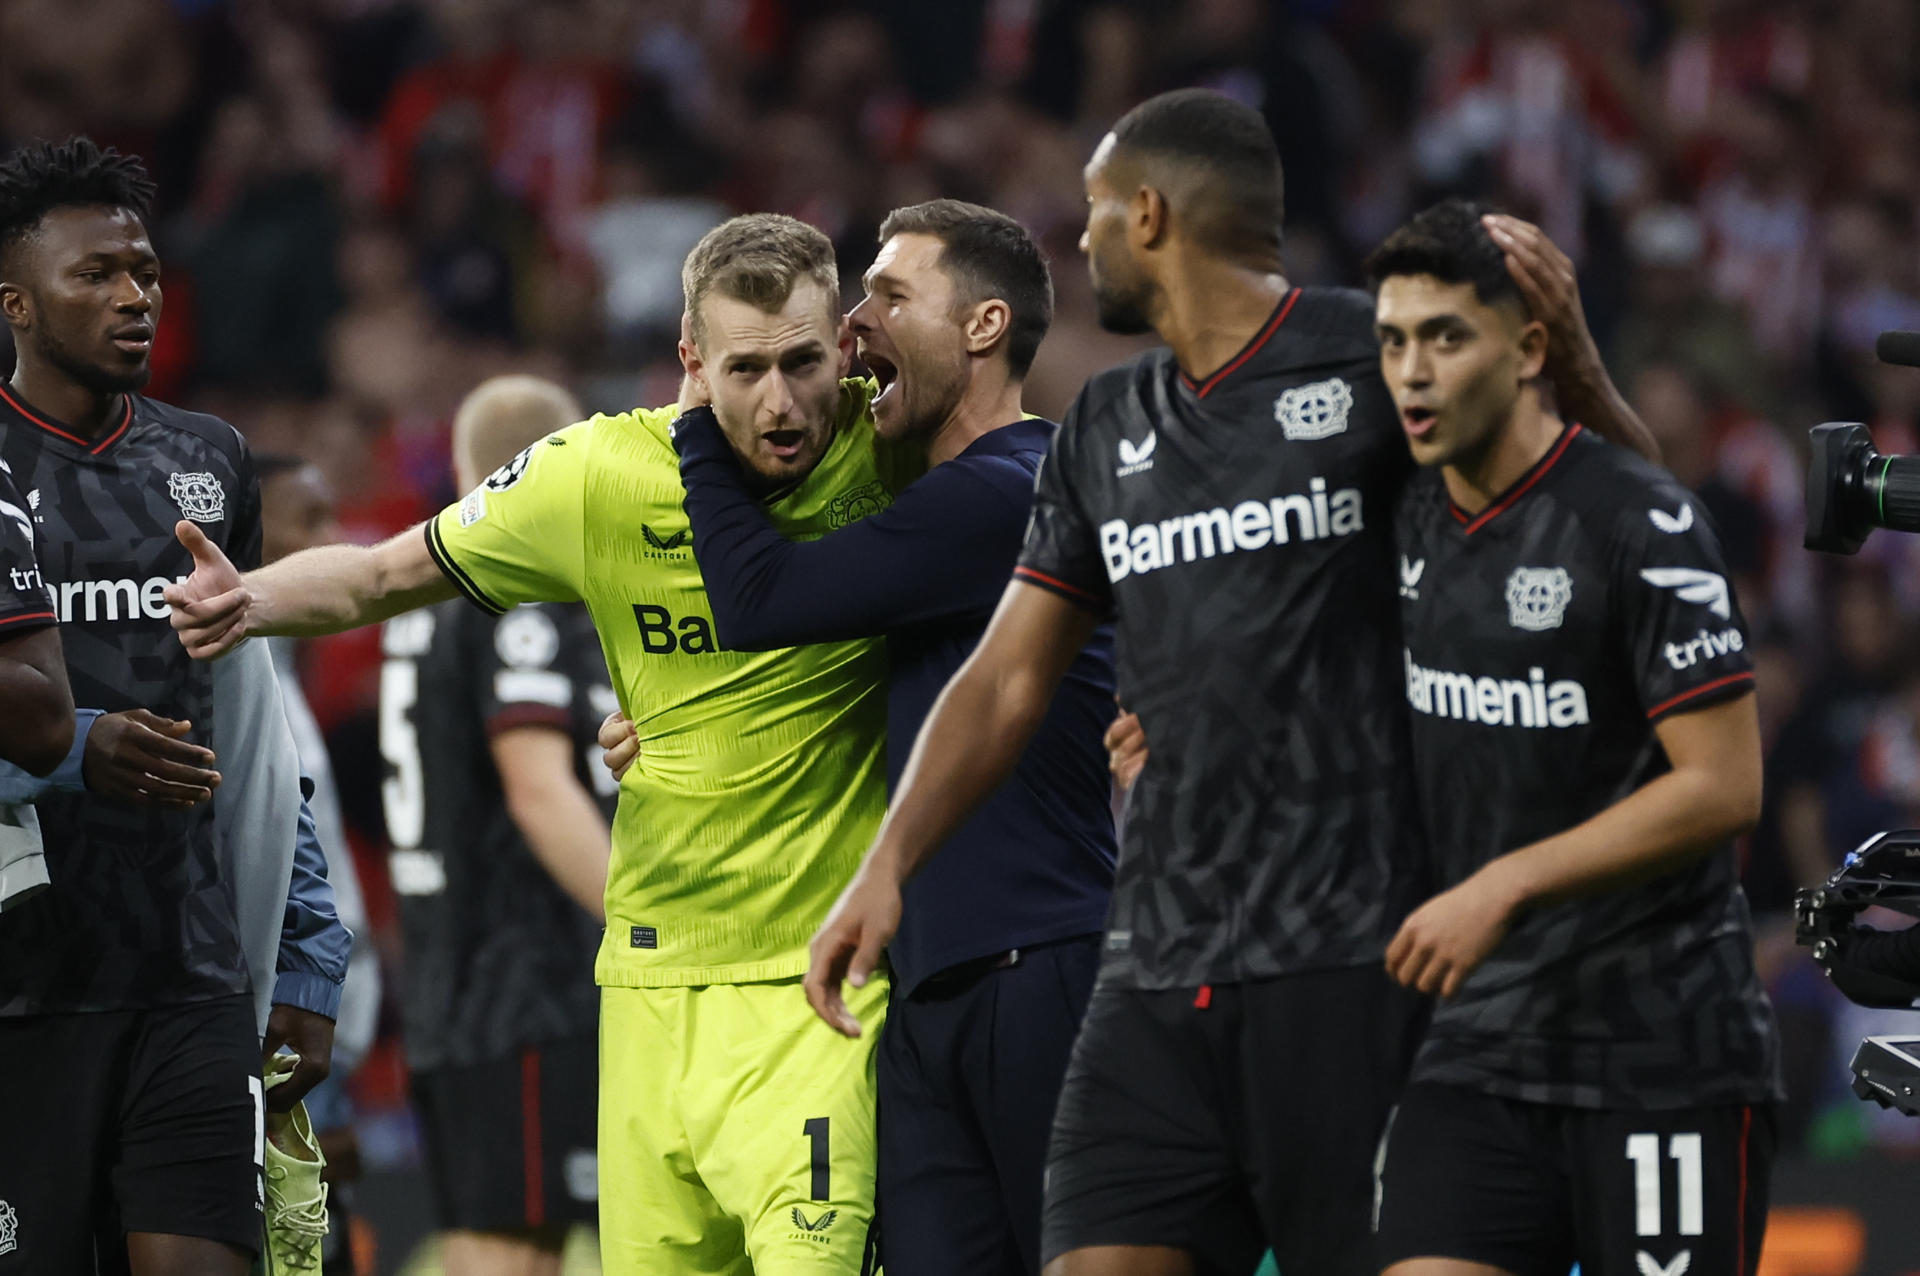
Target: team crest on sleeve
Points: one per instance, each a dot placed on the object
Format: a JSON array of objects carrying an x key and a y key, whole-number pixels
[
  {"x": 1317, "y": 410},
  {"x": 509, "y": 474},
  {"x": 1537, "y": 597},
  {"x": 9, "y": 1229},
  {"x": 199, "y": 496}
]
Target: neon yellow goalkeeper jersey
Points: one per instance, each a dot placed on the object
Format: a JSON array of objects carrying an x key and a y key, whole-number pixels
[{"x": 762, "y": 775}]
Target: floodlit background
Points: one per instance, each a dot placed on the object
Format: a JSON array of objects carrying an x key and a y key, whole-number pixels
[{"x": 366, "y": 206}]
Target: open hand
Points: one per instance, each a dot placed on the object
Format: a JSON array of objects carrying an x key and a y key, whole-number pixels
[
  {"x": 1546, "y": 279},
  {"x": 139, "y": 757},
  {"x": 210, "y": 607},
  {"x": 620, "y": 744},
  {"x": 849, "y": 943}
]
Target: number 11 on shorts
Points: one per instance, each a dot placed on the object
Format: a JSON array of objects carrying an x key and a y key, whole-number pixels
[{"x": 1644, "y": 1151}]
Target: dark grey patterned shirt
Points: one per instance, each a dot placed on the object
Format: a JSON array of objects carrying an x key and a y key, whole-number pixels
[
  {"x": 1544, "y": 639},
  {"x": 1237, "y": 530},
  {"x": 139, "y": 912},
  {"x": 497, "y": 955}
]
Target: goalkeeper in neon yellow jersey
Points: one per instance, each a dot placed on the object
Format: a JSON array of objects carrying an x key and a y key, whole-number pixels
[{"x": 736, "y": 1129}]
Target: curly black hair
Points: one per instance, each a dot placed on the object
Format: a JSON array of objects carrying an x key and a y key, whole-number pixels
[{"x": 42, "y": 176}]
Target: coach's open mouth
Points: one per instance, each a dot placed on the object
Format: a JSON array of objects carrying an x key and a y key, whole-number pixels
[
  {"x": 784, "y": 444},
  {"x": 1418, "y": 421},
  {"x": 885, "y": 374}
]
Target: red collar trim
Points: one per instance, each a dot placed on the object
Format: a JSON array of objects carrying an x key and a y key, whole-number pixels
[
  {"x": 95, "y": 448},
  {"x": 1204, "y": 388},
  {"x": 1473, "y": 523}
]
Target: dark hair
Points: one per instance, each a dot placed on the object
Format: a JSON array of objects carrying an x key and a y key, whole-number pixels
[
  {"x": 1448, "y": 242},
  {"x": 1239, "y": 203},
  {"x": 987, "y": 254},
  {"x": 42, "y": 176}
]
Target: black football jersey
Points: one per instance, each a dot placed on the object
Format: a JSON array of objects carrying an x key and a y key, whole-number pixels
[
  {"x": 24, "y": 602},
  {"x": 1238, "y": 532},
  {"x": 496, "y": 955},
  {"x": 1545, "y": 638},
  {"x": 139, "y": 913}
]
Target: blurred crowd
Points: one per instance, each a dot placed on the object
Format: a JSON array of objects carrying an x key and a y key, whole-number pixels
[{"x": 366, "y": 206}]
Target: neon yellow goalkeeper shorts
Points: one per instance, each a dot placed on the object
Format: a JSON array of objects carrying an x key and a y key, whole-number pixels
[{"x": 736, "y": 1132}]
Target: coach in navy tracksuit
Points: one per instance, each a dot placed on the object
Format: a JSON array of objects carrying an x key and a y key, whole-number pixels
[{"x": 999, "y": 940}]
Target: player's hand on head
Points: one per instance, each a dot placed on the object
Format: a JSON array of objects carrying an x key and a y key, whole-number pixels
[
  {"x": 138, "y": 757},
  {"x": 210, "y": 607},
  {"x": 620, "y": 744},
  {"x": 1446, "y": 938},
  {"x": 308, "y": 1035},
  {"x": 848, "y": 945},
  {"x": 1548, "y": 283},
  {"x": 1126, "y": 745}
]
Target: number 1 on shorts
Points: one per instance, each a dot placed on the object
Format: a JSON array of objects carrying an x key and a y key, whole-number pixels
[{"x": 816, "y": 1132}]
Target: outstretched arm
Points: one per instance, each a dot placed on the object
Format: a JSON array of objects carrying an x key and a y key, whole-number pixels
[
  {"x": 970, "y": 743},
  {"x": 317, "y": 591},
  {"x": 1583, "y": 390}
]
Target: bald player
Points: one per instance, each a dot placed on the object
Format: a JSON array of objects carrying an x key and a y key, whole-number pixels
[{"x": 500, "y": 834}]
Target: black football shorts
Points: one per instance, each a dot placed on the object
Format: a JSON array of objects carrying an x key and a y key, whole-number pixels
[
  {"x": 1534, "y": 1188},
  {"x": 510, "y": 1142},
  {"x": 128, "y": 1121},
  {"x": 1228, "y": 1119}
]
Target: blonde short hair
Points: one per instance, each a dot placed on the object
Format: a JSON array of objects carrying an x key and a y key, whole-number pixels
[
  {"x": 757, "y": 258},
  {"x": 502, "y": 416}
]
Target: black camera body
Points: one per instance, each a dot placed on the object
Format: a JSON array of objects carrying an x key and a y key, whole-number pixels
[
  {"x": 1852, "y": 487},
  {"x": 1883, "y": 873}
]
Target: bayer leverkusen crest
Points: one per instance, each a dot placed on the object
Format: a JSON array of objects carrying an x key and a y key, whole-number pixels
[{"x": 199, "y": 496}]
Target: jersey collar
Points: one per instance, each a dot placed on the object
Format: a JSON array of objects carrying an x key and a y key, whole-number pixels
[
  {"x": 94, "y": 448},
  {"x": 1471, "y": 523},
  {"x": 1202, "y": 389}
]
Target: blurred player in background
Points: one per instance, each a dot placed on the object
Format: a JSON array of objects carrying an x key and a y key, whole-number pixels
[
  {"x": 132, "y": 1019},
  {"x": 733, "y": 1126},
  {"x": 1226, "y": 499},
  {"x": 1598, "y": 1080},
  {"x": 499, "y": 863},
  {"x": 999, "y": 939},
  {"x": 296, "y": 513}
]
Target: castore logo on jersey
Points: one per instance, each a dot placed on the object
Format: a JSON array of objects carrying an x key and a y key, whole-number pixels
[{"x": 1136, "y": 459}]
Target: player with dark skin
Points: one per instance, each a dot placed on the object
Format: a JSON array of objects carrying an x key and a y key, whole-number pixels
[
  {"x": 81, "y": 294},
  {"x": 1162, "y": 256},
  {"x": 83, "y": 311}
]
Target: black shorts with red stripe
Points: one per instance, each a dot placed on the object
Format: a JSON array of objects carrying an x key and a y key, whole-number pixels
[
  {"x": 1533, "y": 1188},
  {"x": 510, "y": 1142}
]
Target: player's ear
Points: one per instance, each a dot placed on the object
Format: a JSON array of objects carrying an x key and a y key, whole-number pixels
[
  {"x": 988, "y": 325},
  {"x": 1533, "y": 349},
  {"x": 1147, "y": 217},
  {"x": 843, "y": 339},
  {"x": 15, "y": 306},
  {"x": 690, "y": 360}
]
